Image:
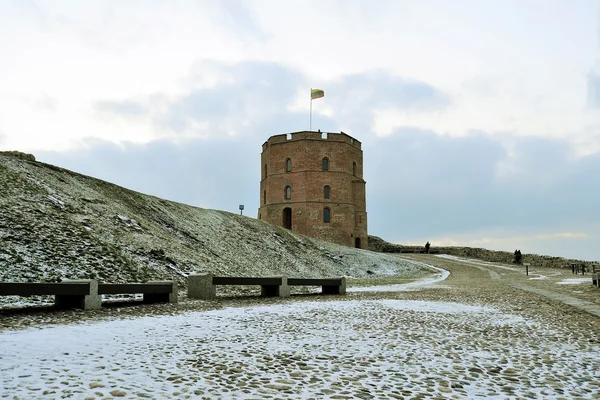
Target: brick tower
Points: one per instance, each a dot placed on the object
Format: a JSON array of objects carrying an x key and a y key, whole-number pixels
[{"x": 312, "y": 183}]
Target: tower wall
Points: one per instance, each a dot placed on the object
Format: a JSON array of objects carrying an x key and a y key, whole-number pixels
[{"x": 307, "y": 179}]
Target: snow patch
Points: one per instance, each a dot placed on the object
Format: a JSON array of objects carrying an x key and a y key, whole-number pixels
[
  {"x": 435, "y": 307},
  {"x": 402, "y": 287},
  {"x": 574, "y": 281},
  {"x": 56, "y": 202},
  {"x": 129, "y": 222}
]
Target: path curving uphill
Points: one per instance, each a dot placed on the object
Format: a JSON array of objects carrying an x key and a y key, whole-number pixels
[{"x": 555, "y": 285}]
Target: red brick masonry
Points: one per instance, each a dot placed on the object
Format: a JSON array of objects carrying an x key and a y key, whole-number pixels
[{"x": 304, "y": 210}]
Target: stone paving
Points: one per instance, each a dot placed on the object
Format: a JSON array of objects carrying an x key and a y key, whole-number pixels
[{"x": 470, "y": 336}]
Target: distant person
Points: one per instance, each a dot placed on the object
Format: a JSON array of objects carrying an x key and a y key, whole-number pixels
[
  {"x": 427, "y": 245},
  {"x": 518, "y": 257}
]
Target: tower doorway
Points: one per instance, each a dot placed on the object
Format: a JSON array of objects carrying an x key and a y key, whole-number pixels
[
  {"x": 287, "y": 218},
  {"x": 357, "y": 243}
]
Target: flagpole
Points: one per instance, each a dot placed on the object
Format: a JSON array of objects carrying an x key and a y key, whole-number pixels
[{"x": 310, "y": 118}]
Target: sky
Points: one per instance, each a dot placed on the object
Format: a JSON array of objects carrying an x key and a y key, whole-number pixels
[{"x": 480, "y": 121}]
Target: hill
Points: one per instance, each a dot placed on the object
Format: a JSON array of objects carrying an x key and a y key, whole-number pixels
[{"x": 56, "y": 224}]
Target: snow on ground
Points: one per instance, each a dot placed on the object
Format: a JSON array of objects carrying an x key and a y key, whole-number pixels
[
  {"x": 575, "y": 281},
  {"x": 308, "y": 349},
  {"x": 478, "y": 262},
  {"x": 441, "y": 275},
  {"x": 537, "y": 275},
  {"x": 14, "y": 302}
]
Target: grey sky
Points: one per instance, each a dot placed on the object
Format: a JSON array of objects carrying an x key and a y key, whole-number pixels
[{"x": 479, "y": 121}]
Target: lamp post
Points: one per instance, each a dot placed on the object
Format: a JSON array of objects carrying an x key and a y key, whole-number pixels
[{"x": 241, "y": 209}]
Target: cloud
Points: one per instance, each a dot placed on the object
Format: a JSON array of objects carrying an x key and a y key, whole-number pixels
[
  {"x": 127, "y": 108},
  {"x": 254, "y": 93},
  {"x": 567, "y": 235},
  {"x": 240, "y": 18},
  {"x": 452, "y": 74},
  {"x": 239, "y": 98},
  {"x": 502, "y": 237},
  {"x": 593, "y": 87},
  {"x": 355, "y": 101},
  {"x": 421, "y": 184},
  {"x": 47, "y": 103},
  {"x": 375, "y": 89}
]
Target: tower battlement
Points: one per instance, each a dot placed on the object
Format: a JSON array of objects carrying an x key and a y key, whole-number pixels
[{"x": 312, "y": 135}]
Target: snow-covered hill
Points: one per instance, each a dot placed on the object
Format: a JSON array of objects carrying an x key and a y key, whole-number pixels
[{"x": 56, "y": 224}]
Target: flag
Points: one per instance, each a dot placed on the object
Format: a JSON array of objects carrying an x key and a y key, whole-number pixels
[{"x": 316, "y": 94}]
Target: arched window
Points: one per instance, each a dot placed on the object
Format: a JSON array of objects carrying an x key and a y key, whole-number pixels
[
  {"x": 326, "y": 215},
  {"x": 288, "y": 165},
  {"x": 354, "y": 168},
  {"x": 325, "y": 164},
  {"x": 288, "y": 192},
  {"x": 326, "y": 191}
]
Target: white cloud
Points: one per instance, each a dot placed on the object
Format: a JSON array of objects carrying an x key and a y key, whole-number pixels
[
  {"x": 81, "y": 54},
  {"x": 506, "y": 66}
]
